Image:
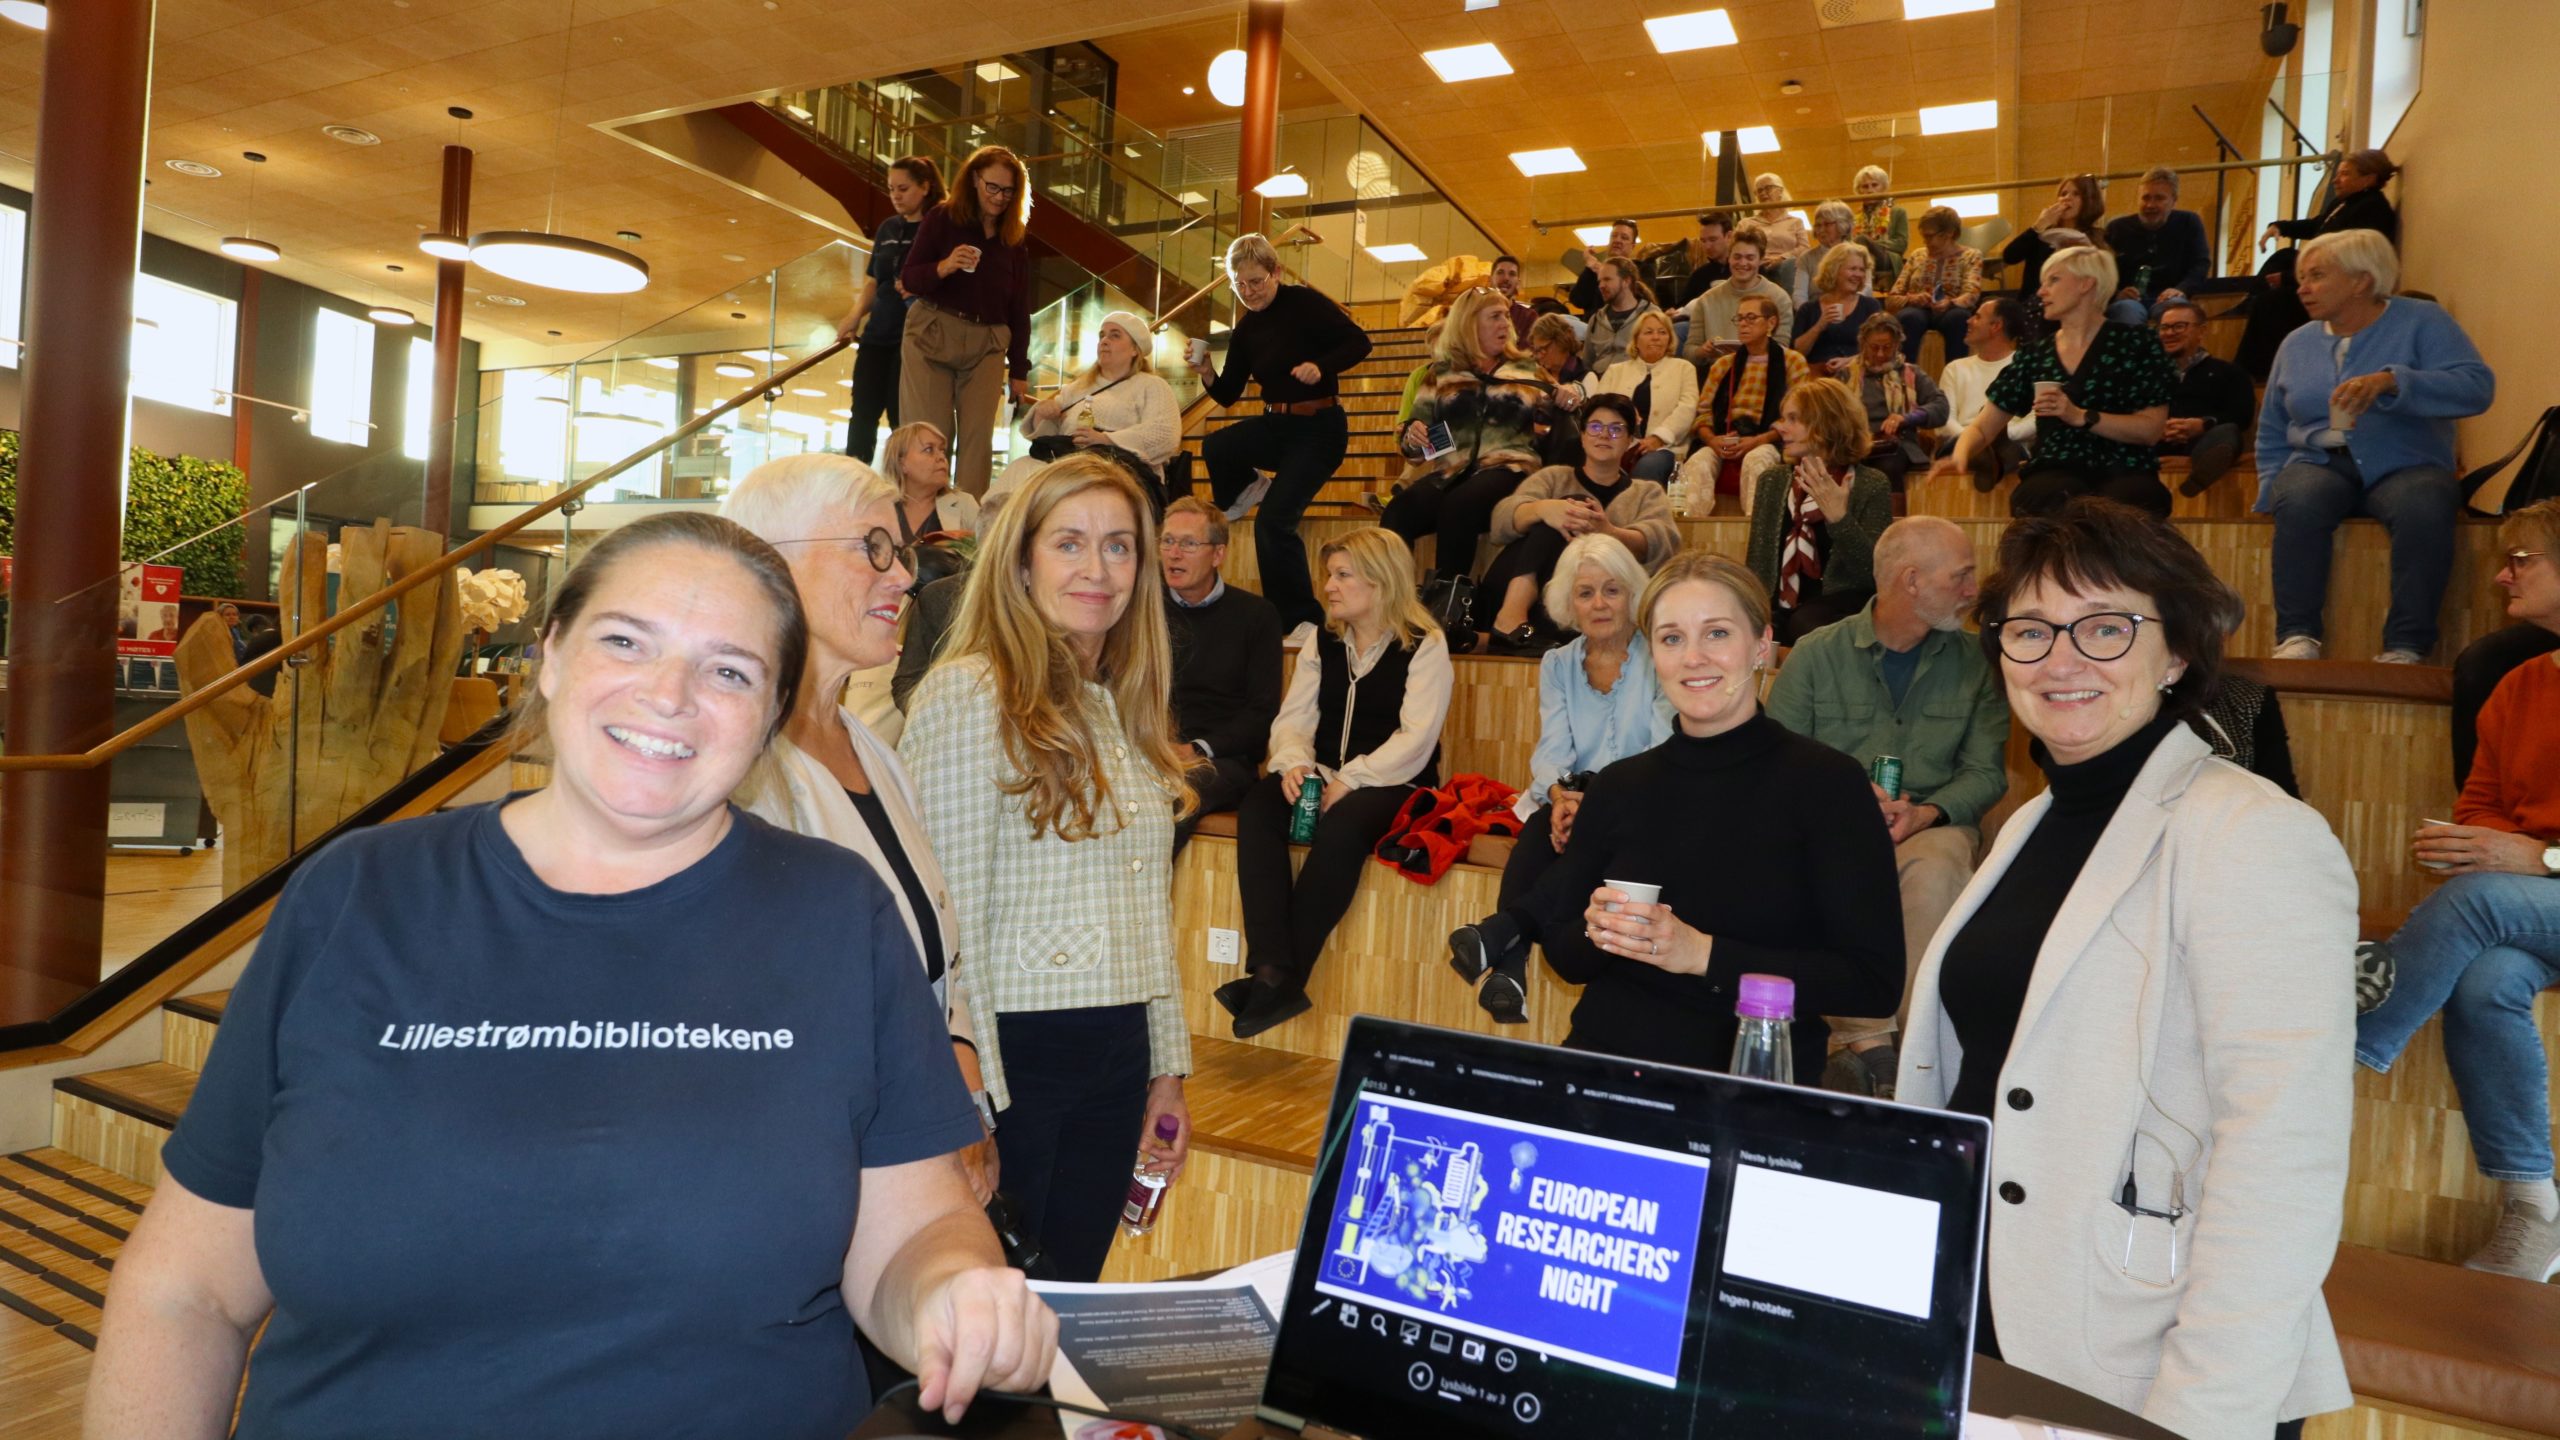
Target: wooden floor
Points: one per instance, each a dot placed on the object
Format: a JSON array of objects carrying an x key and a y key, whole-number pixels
[{"x": 62, "y": 1224}]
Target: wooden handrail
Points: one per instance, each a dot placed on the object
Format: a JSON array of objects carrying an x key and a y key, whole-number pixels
[{"x": 110, "y": 748}]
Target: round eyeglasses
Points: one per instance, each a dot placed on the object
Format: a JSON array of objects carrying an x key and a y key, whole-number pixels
[
  {"x": 2106, "y": 635},
  {"x": 879, "y": 547},
  {"x": 1605, "y": 429}
]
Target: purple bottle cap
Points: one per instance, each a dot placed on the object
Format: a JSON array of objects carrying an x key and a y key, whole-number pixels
[
  {"x": 1167, "y": 1127},
  {"x": 1767, "y": 997}
]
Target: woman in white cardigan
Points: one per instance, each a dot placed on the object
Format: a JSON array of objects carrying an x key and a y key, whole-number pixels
[
  {"x": 826, "y": 774},
  {"x": 1664, "y": 388},
  {"x": 1118, "y": 400},
  {"x": 2142, "y": 991}
]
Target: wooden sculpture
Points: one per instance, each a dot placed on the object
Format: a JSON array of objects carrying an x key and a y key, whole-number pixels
[{"x": 359, "y": 714}]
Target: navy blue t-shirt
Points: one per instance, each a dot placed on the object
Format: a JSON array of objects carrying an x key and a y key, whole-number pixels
[
  {"x": 528, "y": 1162},
  {"x": 890, "y": 241}
]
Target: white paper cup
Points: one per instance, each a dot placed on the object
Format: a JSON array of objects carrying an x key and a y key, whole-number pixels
[
  {"x": 1635, "y": 890},
  {"x": 969, "y": 267},
  {"x": 2048, "y": 387},
  {"x": 2341, "y": 419}
]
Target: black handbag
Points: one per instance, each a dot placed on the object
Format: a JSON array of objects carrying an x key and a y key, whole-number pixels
[
  {"x": 1051, "y": 447},
  {"x": 2540, "y": 477}
]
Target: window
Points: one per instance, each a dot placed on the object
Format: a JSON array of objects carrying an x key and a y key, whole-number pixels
[
  {"x": 342, "y": 378},
  {"x": 13, "y": 283},
  {"x": 184, "y": 343},
  {"x": 419, "y": 420}
]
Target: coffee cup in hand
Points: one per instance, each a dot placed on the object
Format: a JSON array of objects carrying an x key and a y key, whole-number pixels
[
  {"x": 1196, "y": 354},
  {"x": 967, "y": 255},
  {"x": 1636, "y": 892},
  {"x": 2342, "y": 418}
]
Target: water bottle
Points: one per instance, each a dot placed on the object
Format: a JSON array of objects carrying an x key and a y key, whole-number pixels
[
  {"x": 1302, "y": 817},
  {"x": 1764, "y": 1041},
  {"x": 1146, "y": 1190}
]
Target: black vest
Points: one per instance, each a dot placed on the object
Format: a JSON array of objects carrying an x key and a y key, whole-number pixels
[
  {"x": 1375, "y": 706},
  {"x": 1720, "y": 404}
]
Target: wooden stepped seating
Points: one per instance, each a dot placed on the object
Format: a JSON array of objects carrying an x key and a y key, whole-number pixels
[{"x": 63, "y": 1222}]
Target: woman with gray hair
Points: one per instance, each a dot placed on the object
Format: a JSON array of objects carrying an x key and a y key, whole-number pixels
[
  {"x": 1834, "y": 225},
  {"x": 826, "y": 775},
  {"x": 2358, "y": 420},
  {"x": 1879, "y": 224}
]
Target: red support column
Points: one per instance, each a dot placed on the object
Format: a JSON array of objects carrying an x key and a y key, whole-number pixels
[
  {"x": 1259, "y": 131},
  {"x": 86, "y": 243},
  {"x": 443, "y": 399}
]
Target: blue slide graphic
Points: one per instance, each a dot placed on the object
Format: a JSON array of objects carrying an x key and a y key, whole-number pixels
[{"x": 1562, "y": 1243}]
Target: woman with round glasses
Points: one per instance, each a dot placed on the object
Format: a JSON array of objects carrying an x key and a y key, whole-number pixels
[
  {"x": 968, "y": 276},
  {"x": 1740, "y": 401},
  {"x": 1561, "y": 504},
  {"x": 2143, "y": 990}
]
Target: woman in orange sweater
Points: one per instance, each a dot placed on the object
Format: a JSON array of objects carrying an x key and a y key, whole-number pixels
[{"x": 2485, "y": 945}]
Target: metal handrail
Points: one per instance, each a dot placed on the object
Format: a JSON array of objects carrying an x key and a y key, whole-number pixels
[
  {"x": 108, "y": 749},
  {"x": 1950, "y": 188}
]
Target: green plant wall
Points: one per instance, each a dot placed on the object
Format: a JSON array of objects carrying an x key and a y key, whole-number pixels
[{"x": 169, "y": 500}]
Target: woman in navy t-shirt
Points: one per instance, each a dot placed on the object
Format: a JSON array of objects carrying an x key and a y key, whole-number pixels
[{"x": 607, "y": 1110}]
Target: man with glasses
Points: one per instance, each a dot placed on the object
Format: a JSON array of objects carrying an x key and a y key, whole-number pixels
[
  {"x": 2214, "y": 407},
  {"x": 1738, "y": 402},
  {"x": 1226, "y": 662}
]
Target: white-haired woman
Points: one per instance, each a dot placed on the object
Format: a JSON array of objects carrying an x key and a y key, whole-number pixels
[
  {"x": 919, "y": 461},
  {"x": 827, "y": 774},
  {"x": 1879, "y": 224},
  {"x": 1118, "y": 400},
  {"x": 1598, "y": 703},
  {"x": 1787, "y": 234},
  {"x": 2358, "y": 420},
  {"x": 2099, "y": 390},
  {"x": 1834, "y": 225}
]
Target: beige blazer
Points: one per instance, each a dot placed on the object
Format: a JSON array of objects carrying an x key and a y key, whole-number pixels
[{"x": 2191, "y": 1017}]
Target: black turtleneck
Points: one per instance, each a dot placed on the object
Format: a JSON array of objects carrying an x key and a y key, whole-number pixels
[
  {"x": 1764, "y": 840},
  {"x": 1982, "y": 981}
]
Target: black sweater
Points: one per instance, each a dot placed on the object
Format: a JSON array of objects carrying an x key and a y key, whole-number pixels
[
  {"x": 1766, "y": 841},
  {"x": 2215, "y": 391},
  {"x": 1226, "y": 673},
  {"x": 1298, "y": 325}
]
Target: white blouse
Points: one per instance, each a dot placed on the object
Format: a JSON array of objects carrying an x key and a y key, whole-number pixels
[
  {"x": 1673, "y": 401},
  {"x": 1138, "y": 413}
]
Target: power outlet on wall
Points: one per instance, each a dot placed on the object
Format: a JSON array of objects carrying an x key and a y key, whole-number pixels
[{"x": 1223, "y": 948}]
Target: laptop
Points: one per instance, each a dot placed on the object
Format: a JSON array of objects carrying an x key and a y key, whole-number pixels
[{"x": 1512, "y": 1240}]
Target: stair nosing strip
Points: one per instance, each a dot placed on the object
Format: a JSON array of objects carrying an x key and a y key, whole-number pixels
[
  {"x": 32, "y": 1310},
  {"x": 81, "y": 1087},
  {"x": 193, "y": 1009},
  {"x": 75, "y": 1182},
  {"x": 63, "y": 1243},
  {"x": 18, "y": 1187},
  {"x": 48, "y": 1275}
]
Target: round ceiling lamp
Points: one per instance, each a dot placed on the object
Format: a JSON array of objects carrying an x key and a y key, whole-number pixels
[
  {"x": 1226, "y": 78},
  {"x": 559, "y": 262},
  {"x": 29, "y": 13},
  {"x": 445, "y": 247},
  {"x": 391, "y": 315},
  {"x": 256, "y": 252}
]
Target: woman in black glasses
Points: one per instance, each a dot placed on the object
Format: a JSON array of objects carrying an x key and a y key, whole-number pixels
[
  {"x": 2143, "y": 991},
  {"x": 1559, "y": 504}
]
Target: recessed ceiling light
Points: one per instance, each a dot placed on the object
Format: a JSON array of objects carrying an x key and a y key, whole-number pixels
[
  {"x": 1955, "y": 119},
  {"x": 1756, "y": 140},
  {"x": 445, "y": 247},
  {"x": 1226, "y": 78},
  {"x": 1696, "y": 30},
  {"x": 501, "y": 300},
  {"x": 841, "y": 414},
  {"x": 627, "y": 237},
  {"x": 770, "y": 357},
  {"x": 1932, "y": 9},
  {"x": 350, "y": 135},
  {"x": 1592, "y": 234},
  {"x": 735, "y": 259},
  {"x": 390, "y": 315},
  {"x": 1980, "y": 206},
  {"x": 1467, "y": 62},
  {"x": 1191, "y": 197},
  {"x": 844, "y": 384},
  {"x": 808, "y": 394},
  {"x": 996, "y": 72},
  {"x": 1559, "y": 161},
  {"x": 1190, "y": 89},
  {"x": 29, "y": 13},
  {"x": 256, "y": 252},
  {"x": 1287, "y": 185},
  {"x": 665, "y": 362},
  {"x": 733, "y": 370},
  {"x": 1396, "y": 254},
  {"x": 197, "y": 168}
]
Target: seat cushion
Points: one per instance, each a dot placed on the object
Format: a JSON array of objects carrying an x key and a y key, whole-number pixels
[{"x": 2442, "y": 1338}]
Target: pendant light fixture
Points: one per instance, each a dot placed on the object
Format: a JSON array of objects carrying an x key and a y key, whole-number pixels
[
  {"x": 391, "y": 315},
  {"x": 243, "y": 247},
  {"x": 544, "y": 257}
]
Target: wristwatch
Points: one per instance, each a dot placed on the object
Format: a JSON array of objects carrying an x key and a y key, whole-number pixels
[
  {"x": 2089, "y": 419},
  {"x": 2551, "y": 858},
  {"x": 986, "y": 1109}
]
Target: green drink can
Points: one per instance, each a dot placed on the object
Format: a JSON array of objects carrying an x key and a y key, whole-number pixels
[
  {"x": 1302, "y": 819},
  {"x": 1887, "y": 775}
]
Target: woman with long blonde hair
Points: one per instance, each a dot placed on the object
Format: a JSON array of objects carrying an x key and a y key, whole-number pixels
[
  {"x": 968, "y": 276},
  {"x": 1042, "y": 747},
  {"x": 1362, "y": 724},
  {"x": 1487, "y": 396}
]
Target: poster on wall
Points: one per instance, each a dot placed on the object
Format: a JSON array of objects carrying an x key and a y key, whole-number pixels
[{"x": 147, "y": 612}]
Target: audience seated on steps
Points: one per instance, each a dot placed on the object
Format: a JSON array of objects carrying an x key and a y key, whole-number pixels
[
  {"x": 1557, "y": 347},
  {"x": 2099, "y": 391},
  {"x": 1877, "y": 222},
  {"x": 1826, "y": 327},
  {"x": 1700, "y": 261},
  {"x": 1585, "y": 294},
  {"x": 2476, "y": 673},
  {"x": 1559, "y": 504},
  {"x": 1834, "y": 225},
  {"x": 2485, "y": 945},
  {"x": 2356, "y": 202},
  {"x": 1902, "y": 404},
  {"x": 1766, "y": 847},
  {"x": 1939, "y": 286},
  {"x": 2161, "y": 251},
  {"x": 1367, "y": 700},
  {"x": 1991, "y": 338},
  {"x": 1707, "y": 323},
  {"x": 1738, "y": 405},
  {"x": 2214, "y": 411},
  {"x": 1817, "y": 510},
  {"x": 1609, "y": 328},
  {"x": 1598, "y": 703},
  {"x": 1661, "y": 391},
  {"x": 1118, "y": 401},
  {"x": 1506, "y": 278},
  {"x": 1226, "y": 663},
  {"x": 2074, "y": 217},
  {"x": 1488, "y": 399},
  {"x": 1901, "y": 678},
  {"x": 1787, "y": 232},
  {"x": 2358, "y": 420}
]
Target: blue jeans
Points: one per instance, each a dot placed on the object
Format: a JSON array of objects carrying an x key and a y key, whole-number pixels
[
  {"x": 1917, "y": 322},
  {"x": 2129, "y": 312},
  {"x": 1655, "y": 465},
  {"x": 2480, "y": 950},
  {"x": 2417, "y": 505}
]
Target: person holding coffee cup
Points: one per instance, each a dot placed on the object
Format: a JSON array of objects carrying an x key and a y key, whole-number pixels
[
  {"x": 2359, "y": 420},
  {"x": 968, "y": 276},
  {"x": 1826, "y": 329}
]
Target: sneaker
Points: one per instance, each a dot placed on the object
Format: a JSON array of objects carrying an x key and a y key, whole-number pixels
[
  {"x": 2524, "y": 1245},
  {"x": 2399, "y": 657},
  {"x": 1863, "y": 1072},
  {"x": 2297, "y": 647},
  {"x": 1251, "y": 497},
  {"x": 1504, "y": 998},
  {"x": 1270, "y": 1007},
  {"x": 2375, "y": 972}
]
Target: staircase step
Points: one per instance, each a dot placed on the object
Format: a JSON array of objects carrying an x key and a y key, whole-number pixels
[
  {"x": 118, "y": 1119},
  {"x": 57, "y": 1242},
  {"x": 187, "y": 1025}
]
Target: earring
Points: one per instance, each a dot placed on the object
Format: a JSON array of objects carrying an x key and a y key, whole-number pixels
[{"x": 2165, "y": 684}]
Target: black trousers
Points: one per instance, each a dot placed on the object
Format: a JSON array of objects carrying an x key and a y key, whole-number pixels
[
  {"x": 1531, "y": 857},
  {"x": 875, "y": 394},
  {"x": 1535, "y": 555},
  {"x": 2477, "y": 670},
  {"x": 1457, "y": 509},
  {"x": 1813, "y": 611},
  {"x": 2045, "y": 489},
  {"x": 1286, "y": 923},
  {"x": 1066, "y": 1144},
  {"x": 1220, "y": 783},
  {"x": 1301, "y": 452}
]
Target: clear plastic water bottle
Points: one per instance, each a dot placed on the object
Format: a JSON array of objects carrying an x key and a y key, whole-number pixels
[
  {"x": 1146, "y": 1189},
  {"x": 1764, "y": 1041}
]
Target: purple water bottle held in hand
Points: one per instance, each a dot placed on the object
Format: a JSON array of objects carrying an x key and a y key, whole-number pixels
[{"x": 1764, "y": 1040}]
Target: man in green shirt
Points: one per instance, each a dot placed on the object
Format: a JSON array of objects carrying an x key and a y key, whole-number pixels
[{"x": 1903, "y": 678}]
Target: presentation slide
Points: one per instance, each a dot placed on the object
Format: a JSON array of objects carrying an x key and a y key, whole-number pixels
[
  {"x": 1566, "y": 1244},
  {"x": 1820, "y": 1237}
]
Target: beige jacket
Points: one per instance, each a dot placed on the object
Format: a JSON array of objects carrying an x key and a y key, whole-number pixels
[
  {"x": 1643, "y": 506},
  {"x": 2192, "y": 1016}
]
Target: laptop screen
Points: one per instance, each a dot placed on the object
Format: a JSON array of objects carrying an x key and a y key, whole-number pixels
[{"x": 1513, "y": 1240}]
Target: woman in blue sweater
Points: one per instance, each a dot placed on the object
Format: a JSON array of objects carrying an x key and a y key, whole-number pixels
[{"x": 2358, "y": 420}]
